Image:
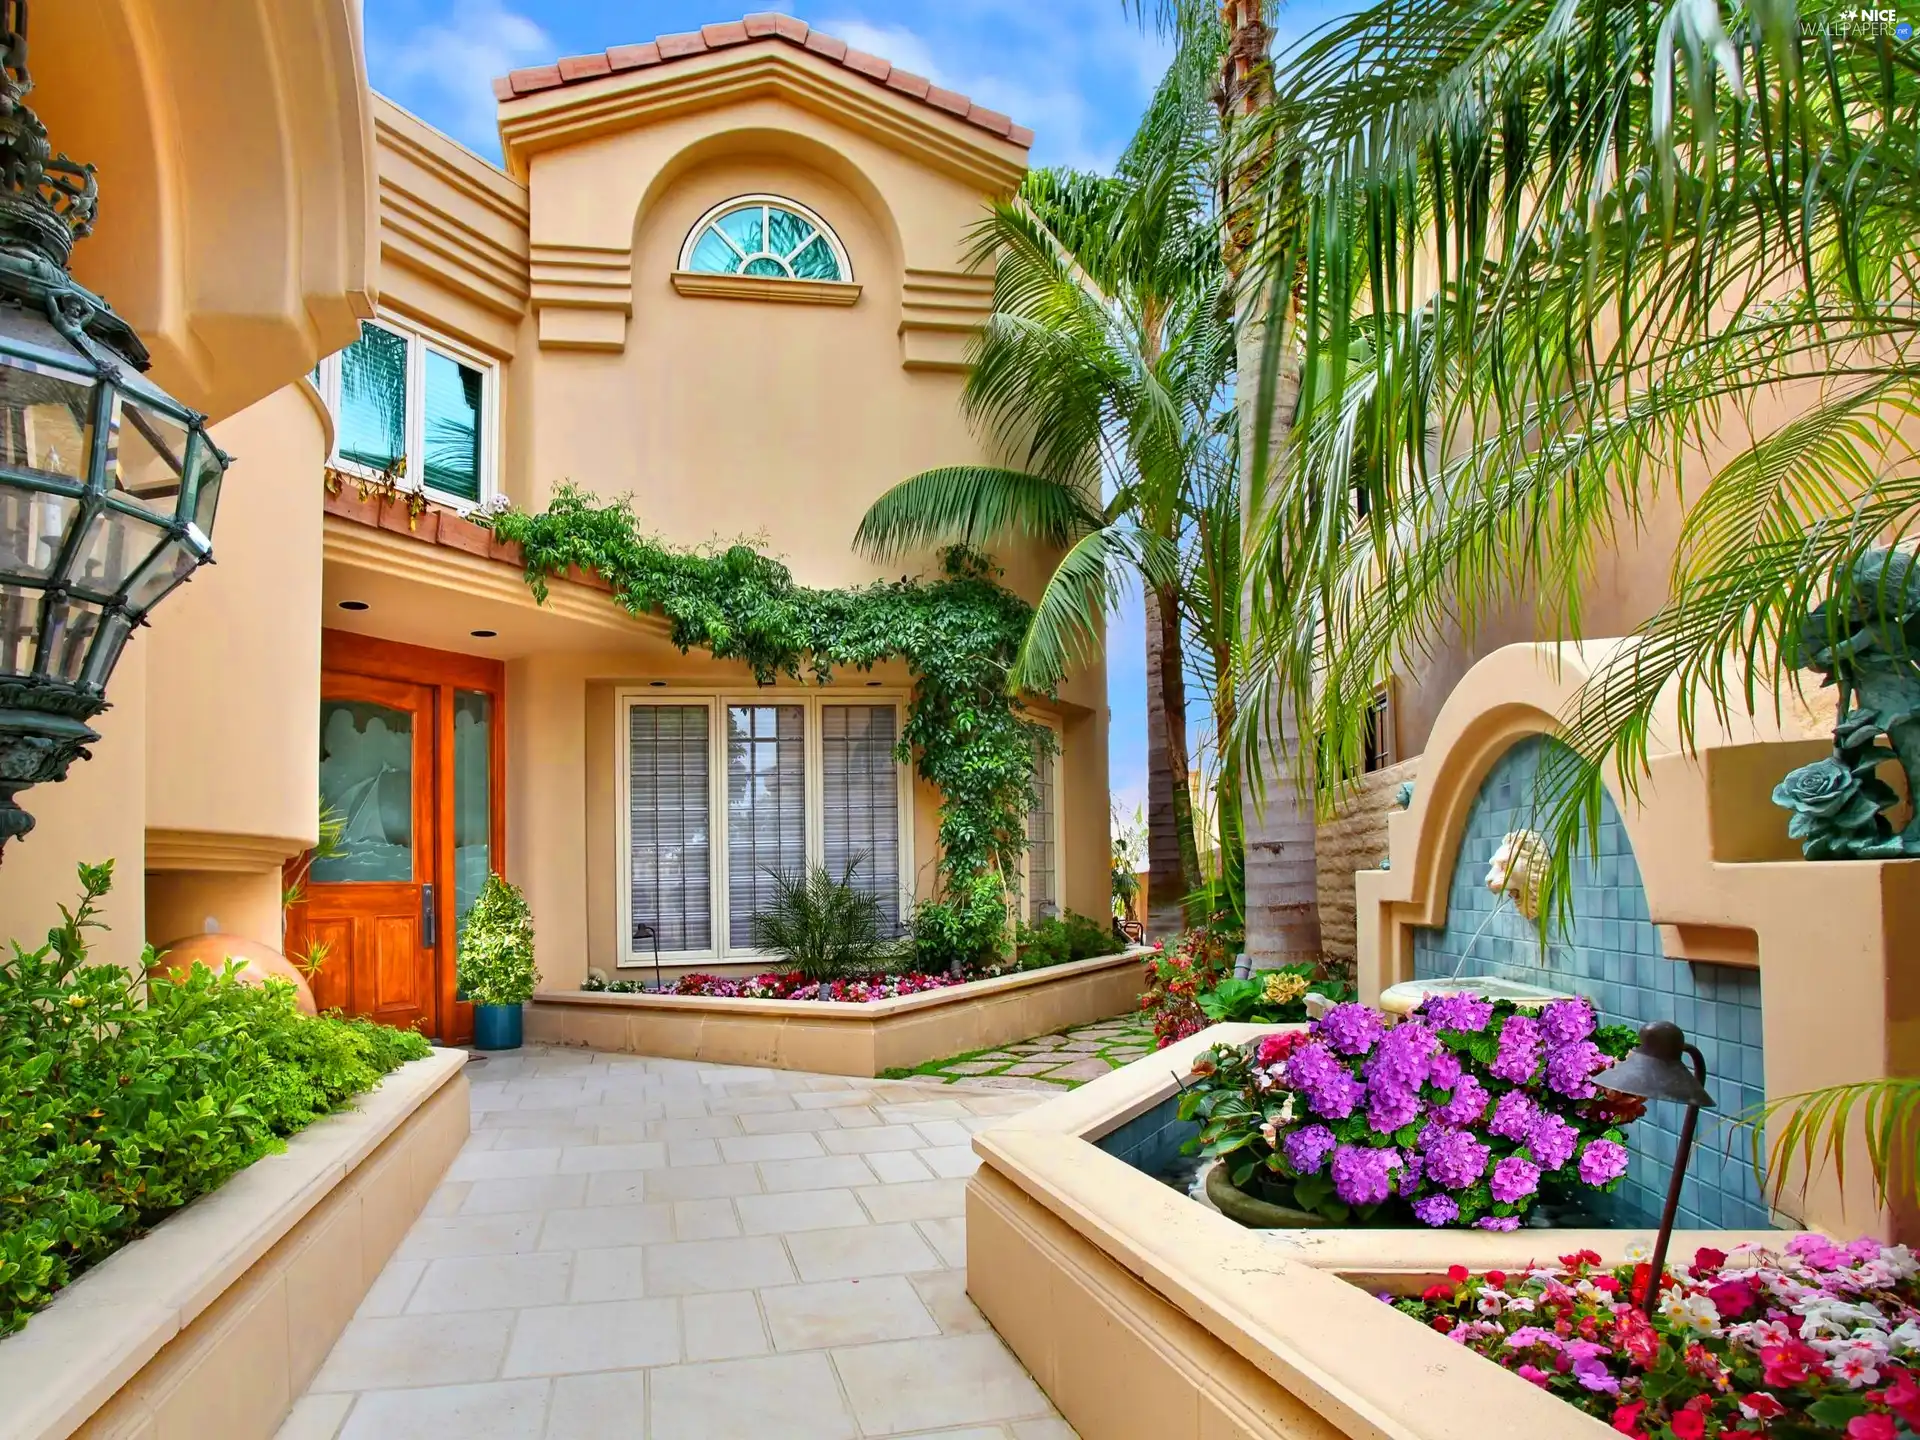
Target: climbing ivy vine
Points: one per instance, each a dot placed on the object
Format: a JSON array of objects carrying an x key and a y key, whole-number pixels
[{"x": 957, "y": 633}]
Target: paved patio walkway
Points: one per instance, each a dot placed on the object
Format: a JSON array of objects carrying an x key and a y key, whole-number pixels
[
  {"x": 1047, "y": 1063},
  {"x": 633, "y": 1249}
]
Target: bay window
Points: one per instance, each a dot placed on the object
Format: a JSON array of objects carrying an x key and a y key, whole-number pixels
[
  {"x": 719, "y": 794},
  {"x": 414, "y": 406}
]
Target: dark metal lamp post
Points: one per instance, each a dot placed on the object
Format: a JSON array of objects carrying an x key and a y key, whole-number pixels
[
  {"x": 108, "y": 485},
  {"x": 1653, "y": 1070}
]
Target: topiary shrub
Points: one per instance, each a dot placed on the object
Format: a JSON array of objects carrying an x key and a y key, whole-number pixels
[{"x": 495, "y": 964}]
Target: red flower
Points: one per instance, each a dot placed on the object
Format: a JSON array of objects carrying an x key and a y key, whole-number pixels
[
  {"x": 1733, "y": 1298},
  {"x": 1457, "y": 1274},
  {"x": 1872, "y": 1427},
  {"x": 1760, "y": 1405},
  {"x": 1791, "y": 1364},
  {"x": 1633, "y": 1334},
  {"x": 1437, "y": 1294},
  {"x": 1580, "y": 1259},
  {"x": 1902, "y": 1397},
  {"x": 1497, "y": 1279},
  {"x": 1707, "y": 1258},
  {"x": 1606, "y": 1283},
  {"x": 1688, "y": 1425},
  {"x": 1627, "y": 1420},
  {"x": 1442, "y": 1323}
]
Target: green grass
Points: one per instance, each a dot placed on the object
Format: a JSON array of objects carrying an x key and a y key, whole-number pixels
[{"x": 1138, "y": 1032}]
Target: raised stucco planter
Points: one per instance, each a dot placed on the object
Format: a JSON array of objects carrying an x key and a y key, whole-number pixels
[
  {"x": 836, "y": 1037},
  {"x": 213, "y": 1325},
  {"x": 1145, "y": 1314}
]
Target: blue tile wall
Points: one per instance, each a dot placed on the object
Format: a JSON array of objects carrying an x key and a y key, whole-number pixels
[
  {"x": 1612, "y": 956},
  {"x": 1151, "y": 1141}
]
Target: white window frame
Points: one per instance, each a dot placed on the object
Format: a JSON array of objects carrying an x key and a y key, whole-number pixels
[
  {"x": 419, "y": 341},
  {"x": 784, "y": 202},
  {"x": 1053, "y": 726},
  {"x": 721, "y": 951}
]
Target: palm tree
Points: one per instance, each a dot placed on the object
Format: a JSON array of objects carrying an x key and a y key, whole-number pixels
[
  {"x": 1558, "y": 258},
  {"x": 1103, "y": 361},
  {"x": 1271, "y": 767}
]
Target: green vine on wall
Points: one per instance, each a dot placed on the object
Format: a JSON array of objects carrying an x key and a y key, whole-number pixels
[{"x": 958, "y": 635}]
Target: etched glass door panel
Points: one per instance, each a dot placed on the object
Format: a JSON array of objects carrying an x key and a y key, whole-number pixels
[{"x": 367, "y": 779}]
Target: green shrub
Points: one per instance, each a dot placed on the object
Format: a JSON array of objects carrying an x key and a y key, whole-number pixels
[
  {"x": 1269, "y": 997},
  {"x": 961, "y": 933},
  {"x": 825, "y": 926},
  {"x": 116, "y": 1109},
  {"x": 495, "y": 965},
  {"x": 1061, "y": 938}
]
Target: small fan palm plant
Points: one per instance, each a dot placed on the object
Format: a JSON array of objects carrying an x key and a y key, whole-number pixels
[{"x": 826, "y": 925}]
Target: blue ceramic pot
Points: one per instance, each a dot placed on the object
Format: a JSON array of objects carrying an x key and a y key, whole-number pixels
[{"x": 496, "y": 1027}]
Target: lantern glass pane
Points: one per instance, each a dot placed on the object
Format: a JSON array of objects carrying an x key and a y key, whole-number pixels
[
  {"x": 46, "y": 420},
  {"x": 71, "y": 626},
  {"x": 19, "y": 628},
  {"x": 114, "y": 631},
  {"x": 33, "y": 527},
  {"x": 148, "y": 459},
  {"x": 206, "y": 495},
  {"x": 116, "y": 545},
  {"x": 174, "y": 562}
]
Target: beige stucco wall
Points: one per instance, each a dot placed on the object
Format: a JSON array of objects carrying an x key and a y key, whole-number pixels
[{"x": 1353, "y": 839}]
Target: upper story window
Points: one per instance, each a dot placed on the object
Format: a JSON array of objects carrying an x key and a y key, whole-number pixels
[
  {"x": 413, "y": 404},
  {"x": 768, "y": 237}
]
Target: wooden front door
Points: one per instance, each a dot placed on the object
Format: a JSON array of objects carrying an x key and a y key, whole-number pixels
[{"x": 372, "y": 906}]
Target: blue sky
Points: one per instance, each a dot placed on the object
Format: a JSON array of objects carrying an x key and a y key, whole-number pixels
[{"x": 1077, "y": 72}]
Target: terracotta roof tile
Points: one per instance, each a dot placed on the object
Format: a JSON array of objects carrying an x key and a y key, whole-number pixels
[
  {"x": 577, "y": 69},
  {"x": 632, "y": 57},
  {"x": 675, "y": 47},
  {"x": 823, "y": 44},
  {"x": 871, "y": 66},
  {"x": 914, "y": 85},
  {"x": 584, "y": 67}
]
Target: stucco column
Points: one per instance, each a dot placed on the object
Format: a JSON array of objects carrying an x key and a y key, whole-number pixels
[{"x": 547, "y": 808}]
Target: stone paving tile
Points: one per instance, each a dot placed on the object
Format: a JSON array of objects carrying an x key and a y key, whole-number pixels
[
  {"x": 1046, "y": 1062},
  {"x": 652, "y": 1247}
]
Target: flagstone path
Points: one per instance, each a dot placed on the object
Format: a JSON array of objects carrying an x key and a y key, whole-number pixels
[
  {"x": 1046, "y": 1063},
  {"x": 634, "y": 1249}
]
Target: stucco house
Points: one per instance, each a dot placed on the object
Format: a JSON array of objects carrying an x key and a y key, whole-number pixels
[{"x": 719, "y": 273}]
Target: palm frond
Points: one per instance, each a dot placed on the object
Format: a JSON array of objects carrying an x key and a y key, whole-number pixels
[
  {"x": 974, "y": 505},
  {"x": 1818, "y": 1129}
]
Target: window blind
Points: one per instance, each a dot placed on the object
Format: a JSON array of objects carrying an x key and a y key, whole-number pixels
[
  {"x": 669, "y": 832},
  {"x": 1042, "y": 885},
  {"x": 860, "y": 798},
  {"x": 766, "y": 808}
]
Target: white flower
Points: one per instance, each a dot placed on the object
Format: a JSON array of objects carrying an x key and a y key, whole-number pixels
[
  {"x": 1286, "y": 1110},
  {"x": 1521, "y": 1303},
  {"x": 1637, "y": 1251},
  {"x": 1858, "y": 1367},
  {"x": 1693, "y": 1312},
  {"x": 1906, "y": 1338},
  {"x": 1491, "y": 1300}
]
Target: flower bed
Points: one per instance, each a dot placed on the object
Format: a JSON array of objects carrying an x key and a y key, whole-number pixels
[
  {"x": 1813, "y": 1340},
  {"x": 1468, "y": 1112},
  {"x": 792, "y": 985}
]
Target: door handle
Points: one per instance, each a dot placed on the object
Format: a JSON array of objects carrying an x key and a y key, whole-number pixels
[{"x": 426, "y": 916}]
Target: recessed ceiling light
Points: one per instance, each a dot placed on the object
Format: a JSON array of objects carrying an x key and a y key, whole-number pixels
[
  {"x": 657, "y": 684},
  {"x": 873, "y": 684},
  {"x": 353, "y": 605},
  {"x": 483, "y": 634}
]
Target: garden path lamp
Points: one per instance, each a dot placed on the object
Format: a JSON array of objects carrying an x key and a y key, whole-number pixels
[
  {"x": 1654, "y": 1070},
  {"x": 107, "y": 484}
]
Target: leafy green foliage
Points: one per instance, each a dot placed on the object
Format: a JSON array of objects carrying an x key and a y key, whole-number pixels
[
  {"x": 1063, "y": 938},
  {"x": 116, "y": 1112},
  {"x": 496, "y": 949},
  {"x": 824, "y": 924},
  {"x": 1269, "y": 997},
  {"x": 959, "y": 635}
]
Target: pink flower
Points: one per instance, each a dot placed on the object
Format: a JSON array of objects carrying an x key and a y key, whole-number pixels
[
  {"x": 1872, "y": 1427},
  {"x": 1535, "y": 1375},
  {"x": 1687, "y": 1425}
]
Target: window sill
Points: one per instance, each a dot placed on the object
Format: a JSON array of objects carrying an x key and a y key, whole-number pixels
[{"x": 760, "y": 287}]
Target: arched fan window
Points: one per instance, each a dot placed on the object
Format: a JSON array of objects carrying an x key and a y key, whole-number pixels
[{"x": 767, "y": 237}]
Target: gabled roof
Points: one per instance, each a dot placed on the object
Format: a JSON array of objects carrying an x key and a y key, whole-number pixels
[{"x": 665, "y": 49}]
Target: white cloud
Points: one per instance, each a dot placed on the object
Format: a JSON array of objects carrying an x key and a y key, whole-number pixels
[{"x": 455, "y": 64}]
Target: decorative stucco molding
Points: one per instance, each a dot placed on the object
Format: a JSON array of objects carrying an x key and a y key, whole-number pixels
[
  {"x": 761, "y": 287},
  {"x": 940, "y": 310},
  {"x": 215, "y": 850}
]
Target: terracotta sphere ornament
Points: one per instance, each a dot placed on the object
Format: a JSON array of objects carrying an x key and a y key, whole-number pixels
[{"x": 258, "y": 962}]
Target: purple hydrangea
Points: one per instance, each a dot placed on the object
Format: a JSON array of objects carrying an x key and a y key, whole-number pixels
[
  {"x": 1514, "y": 1179},
  {"x": 1466, "y": 1105},
  {"x": 1519, "y": 1055},
  {"x": 1566, "y": 1021},
  {"x": 1436, "y": 1210},
  {"x": 1395, "y": 1071},
  {"x": 1363, "y": 1175},
  {"x": 1570, "y": 1067},
  {"x": 1389, "y": 1107},
  {"x": 1307, "y": 1148},
  {"x": 1602, "y": 1162},
  {"x": 1552, "y": 1141},
  {"x": 1444, "y": 1072},
  {"x": 1327, "y": 1085},
  {"x": 1352, "y": 1028},
  {"x": 1457, "y": 1012},
  {"x": 1454, "y": 1158},
  {"x": 1497, "y": 1222},
  {"x": 1514, "y": 1116}
]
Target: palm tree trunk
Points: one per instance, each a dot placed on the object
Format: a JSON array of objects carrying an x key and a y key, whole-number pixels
[
  {"x": 1282, "y": 900},
  {"x": 1173, "y": 858}
]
